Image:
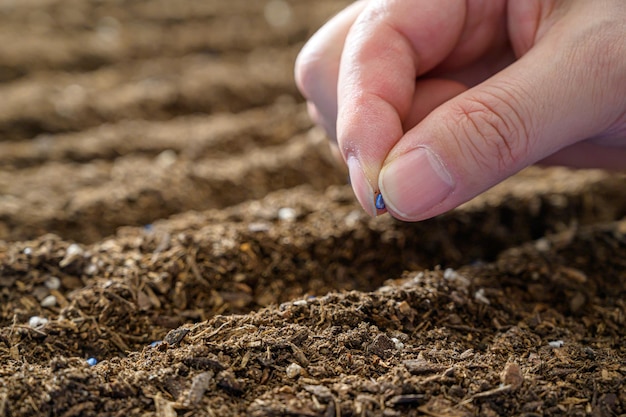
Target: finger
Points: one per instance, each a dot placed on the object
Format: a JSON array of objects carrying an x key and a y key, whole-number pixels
[
  {"x": 521, "y": 115},
  {"x": 429, "y": 94},
  {"x": 480, "y": 70},
  {"x": 320, "y": 120},
  {"x": 317, "y": 66},
  {"x": 482, "y": 43},
  {"x": 383, "y": 56}
]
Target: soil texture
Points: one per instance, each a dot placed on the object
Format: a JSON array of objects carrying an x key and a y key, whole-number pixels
[{"x": 177, "y": 240}]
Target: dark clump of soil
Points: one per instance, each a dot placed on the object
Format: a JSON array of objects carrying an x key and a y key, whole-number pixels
[{"x": 178, "y": 241}]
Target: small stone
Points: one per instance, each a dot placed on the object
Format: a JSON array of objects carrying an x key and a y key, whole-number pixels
[
  {"x": 49, "y": 301},
  {"x": 91, "y": 269},
  {"x": 399, "y": 345},
  {"x": 37, "y": 322},
  {"x": 175, "y": 336},
  {"x": 352, "y": 219},
  {"x": 287, "y": 214},
  {"x": 293, "y": 370},
  {"x": 480, "y": 297},
  {"x": 166, "y": 158},
  {"x": 73, "y": 249},
  {"x": 52, "y": 283},
  {"x": 72, "y": 253},
  {"x": 451, "y": 275},
  {"x": 556, "y": 344}
]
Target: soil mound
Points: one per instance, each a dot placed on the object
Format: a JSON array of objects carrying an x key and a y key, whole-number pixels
[{"x": 177, "y": 240}]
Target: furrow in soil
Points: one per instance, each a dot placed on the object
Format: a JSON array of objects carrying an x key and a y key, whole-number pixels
[{"x": 78, "y": 36}]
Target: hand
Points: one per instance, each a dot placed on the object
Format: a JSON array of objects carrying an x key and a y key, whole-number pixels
[{"x": 431, "y": 103}]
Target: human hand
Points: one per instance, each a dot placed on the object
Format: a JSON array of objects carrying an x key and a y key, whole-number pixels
[{"x": 431, "y": 103}]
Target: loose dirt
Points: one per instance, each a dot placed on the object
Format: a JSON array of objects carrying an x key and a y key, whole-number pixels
[{"x": 178, "y": 241}]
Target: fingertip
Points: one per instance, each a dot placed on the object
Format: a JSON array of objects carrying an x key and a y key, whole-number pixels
[
  {"x": 414, "y": 184},
  {"x": 361, "y": 186}
]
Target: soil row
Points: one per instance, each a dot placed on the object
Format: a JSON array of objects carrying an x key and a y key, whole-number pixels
[
  {"x": 86, "y": 202},
  {"x": 220, "y": 135},
  {"x": 292, "y": 243},
  {"x": 155, "y": 89},
  {"x": 433, "y": 341},
  {"x": 83, "y": 36}
]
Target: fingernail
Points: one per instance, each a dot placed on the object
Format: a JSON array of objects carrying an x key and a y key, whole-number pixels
[
  {"x": 361, "y": 186},
  {"x": 414, "y": 183}
]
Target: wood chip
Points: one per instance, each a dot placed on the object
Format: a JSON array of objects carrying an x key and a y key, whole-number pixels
[{"x": 174, "y": 337}]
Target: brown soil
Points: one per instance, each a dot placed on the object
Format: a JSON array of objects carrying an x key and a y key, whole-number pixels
[{"x": 168, "y": 209}]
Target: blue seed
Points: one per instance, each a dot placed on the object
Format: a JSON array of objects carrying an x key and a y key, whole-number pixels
[
  {"x": 92, "y": 361},
  {"x": 380, "y": 203}
]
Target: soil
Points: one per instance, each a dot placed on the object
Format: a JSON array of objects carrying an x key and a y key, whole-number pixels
[{"x": 178, "y": 241}]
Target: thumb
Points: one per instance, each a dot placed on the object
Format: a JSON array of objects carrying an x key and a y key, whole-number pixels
[{"x": 535, "y": 107}]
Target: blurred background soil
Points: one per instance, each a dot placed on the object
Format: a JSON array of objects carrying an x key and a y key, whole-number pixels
[{"x": 176, "y": 240}]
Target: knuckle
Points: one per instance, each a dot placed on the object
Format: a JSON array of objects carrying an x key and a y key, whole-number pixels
[
  {"x": 493, "y": 129},
  {"x": 308, "y": 66}
]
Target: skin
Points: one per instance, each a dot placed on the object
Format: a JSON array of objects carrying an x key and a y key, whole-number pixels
[{"x": 431, "y": 103}]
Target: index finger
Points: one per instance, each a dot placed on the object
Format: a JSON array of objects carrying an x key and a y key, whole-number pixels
[{"x": 391, "y": 43}]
